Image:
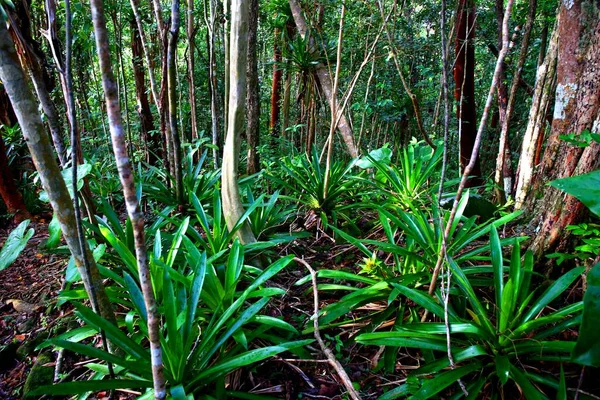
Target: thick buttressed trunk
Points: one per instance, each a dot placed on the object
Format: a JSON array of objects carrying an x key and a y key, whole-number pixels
[
  {"x": 276, "y": 84},
  {"x": 464, "y": 92},
  {"x": 325, "y": 80},
  {"x": 576, "y": 109},
  {"x": 143, "y": 107},
  {"x": 252, "y": 96}
]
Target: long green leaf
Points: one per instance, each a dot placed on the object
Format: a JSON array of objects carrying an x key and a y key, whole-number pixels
[
  {"x": 14, "y": 244},
  {"x": 555, "y": 290},
  {"x": 587, "y": 350},
  {"x": 80, "y": 387}
]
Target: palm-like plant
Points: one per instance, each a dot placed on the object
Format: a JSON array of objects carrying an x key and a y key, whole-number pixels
[
  {"x": 305, "y": 183},
  {"x": 491, "y": 341},
  {"x": 212, "y": 324}
]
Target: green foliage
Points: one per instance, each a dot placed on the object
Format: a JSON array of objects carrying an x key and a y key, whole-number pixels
[
  {"x": 407, "y": 181},
  {"x": 587, "y": 349},
  {"x": 589, "y": 234},
  {"x": 213, "y": 322},
  {"x": 304, "y": 183},
  {"x": 496, "y": 337},
  {"x": 14, "y": 244},
  {"x": 586, "y": 188}
]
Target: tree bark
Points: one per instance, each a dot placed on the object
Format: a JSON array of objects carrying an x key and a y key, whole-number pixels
[
  {"x": 26, "y": 110},
  {"x": 276, "y": 85},
  {"x": 32, "y": 57},
  {"x": 544, "y": 84},
  {"x": 576, "y": 109},
  {"x": 191, "y": 34},
  {"x": 503, "y": 176},
  {"x": 143, "y": 108},
  {"x": 325, "y": 80},
  {"x": 211, "y": 24},
  {"x": 464, "y": 92},
  {"x": 172, "y": 85},
  {"x": 252, "y": 96},
  {"x": 126, "y": 177},
  {"x": 232, "y": 202}
]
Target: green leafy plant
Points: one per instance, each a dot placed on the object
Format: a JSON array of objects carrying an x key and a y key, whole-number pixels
[
  {"x": 583, "y": 187},
  {"x": 491, "y": 340},
  {"x": 15, "y": 243},
  {"x": 212, "y": 324},
  {"x": 305, "y": 183},
  {"x": 407, "y": 182}
]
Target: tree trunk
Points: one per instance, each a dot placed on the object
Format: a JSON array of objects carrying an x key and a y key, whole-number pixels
[
  {"x": 126, "y": 177},
  {"x": 252, "y": 96},
  {"x": 544, "y": 84},
  {"x": 276, "y": 85},
  {"x": 191, "y": 33},
  {"x": 464, "y": 92},
  {"x": 212, "y": 81},
  {"x": 576, "y": 109},
  {"x": 143, "y": 108},
  {"x": 232, "y": 203},
  {"x": 325, "y": 80},
  {"x": 503, "y": 176},
  {"x": 172, "y": 85},
  {"x": 26, "y": 110},
  {"x": 32, "y": 57},
  {"x": 8, "y": 189}
]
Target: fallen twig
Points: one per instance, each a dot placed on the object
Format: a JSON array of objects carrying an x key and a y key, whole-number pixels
[{"x": 328, "y": 353}]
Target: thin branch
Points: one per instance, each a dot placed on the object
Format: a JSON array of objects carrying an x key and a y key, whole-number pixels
[
  {"x": 328, "y": 353},
  {"x": 476, "y": 145}
]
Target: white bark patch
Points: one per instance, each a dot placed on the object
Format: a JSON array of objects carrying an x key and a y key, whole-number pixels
[
  {"x": 568, "y": 4},
  {"x": 564, "y": 94}
]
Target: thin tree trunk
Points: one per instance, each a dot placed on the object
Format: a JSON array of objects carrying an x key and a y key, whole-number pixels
[
  {"x": 325, "y": 80},
  {"x": 26, "y": 110},
  {"x": 144, "y": 46},
  {"x": 143, "y": 109},
  {"x": 8, "y": 189},
  {"x": 252, "y": 96},
  {"x": 129, "y": 192},
  {"x": 32, "y": 54},
  {"x": 191, "y": 34},
  {"x": 285, "y": 108},
  {"x": 464, "y": 92},
  {"x": 226, "y": 61},
  {"x": 232, "y": 202},
  {"x": 211, "y": 26},
  {"x": 276, "y": 84},
  {"x": 172, "y": 85},
  {"x": 503, "y": 176}
]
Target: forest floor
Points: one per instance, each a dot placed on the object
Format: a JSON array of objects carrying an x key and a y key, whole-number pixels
[
  {"x": 29, "y": 315},
  {"x": 28, "y": 289}
]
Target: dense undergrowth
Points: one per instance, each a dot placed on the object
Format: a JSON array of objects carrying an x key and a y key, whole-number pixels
[{"x": 493, "y": 327}]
